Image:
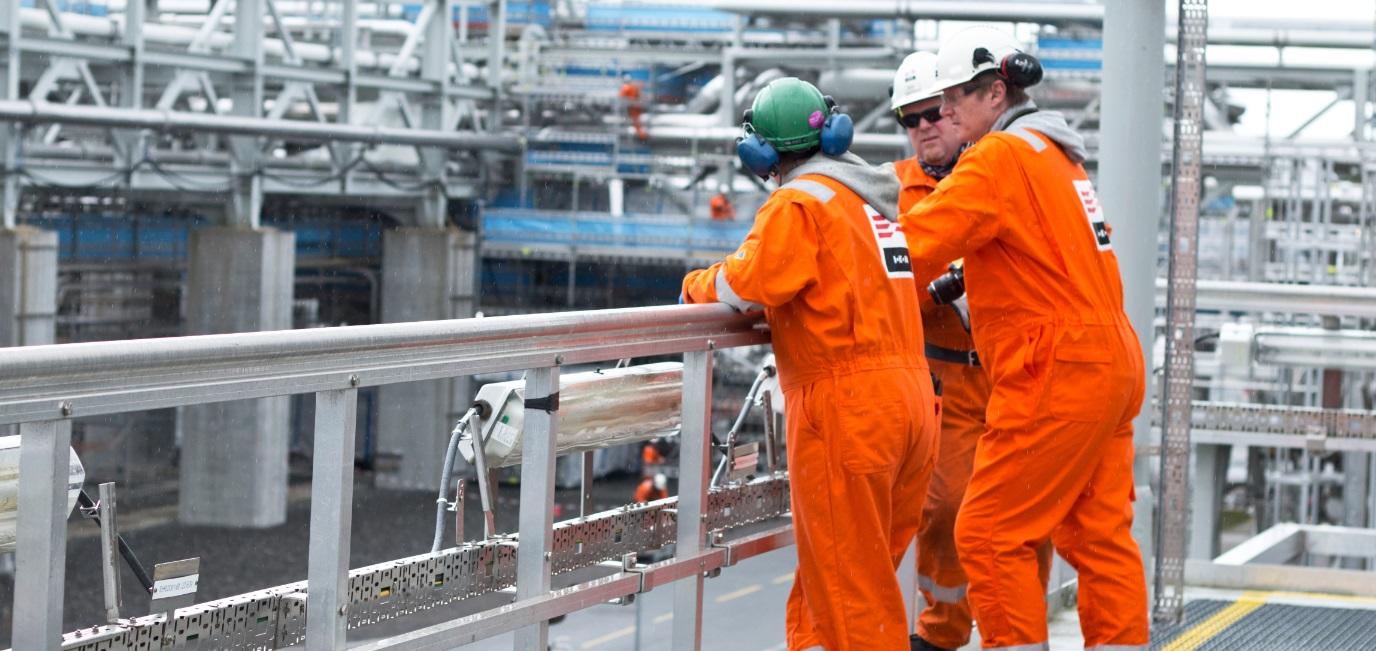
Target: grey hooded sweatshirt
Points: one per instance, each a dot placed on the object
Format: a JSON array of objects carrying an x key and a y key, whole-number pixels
[
  {"x": 1048, "y": 123},
  {"x": 877, "y": 187}
]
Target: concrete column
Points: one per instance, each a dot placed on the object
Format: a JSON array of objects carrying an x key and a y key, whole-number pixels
[
  {"x": 427, "y": 274},
  {"x": 1129, "y": 180},
  {"x": 28, "y": 286},
  {"x": 234, "y": 454}
]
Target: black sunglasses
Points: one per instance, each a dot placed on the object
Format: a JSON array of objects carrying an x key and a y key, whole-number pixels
[{"x": 931, "y": 115}]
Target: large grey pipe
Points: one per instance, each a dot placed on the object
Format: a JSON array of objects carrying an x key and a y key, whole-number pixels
[
  {"x": 28, "y": 112},
  {"x": 1132, "y": 96}
]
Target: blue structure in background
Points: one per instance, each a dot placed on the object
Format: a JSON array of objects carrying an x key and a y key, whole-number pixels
[
  {"x": 518, "y": 12},
  {"x": 514, "y": 226},
  {"x": 87, "y": 7},
  {"x": 1071, "y": 54},
  {"x": 652, "y": 18},
  {"x": 104, "y": 237}
]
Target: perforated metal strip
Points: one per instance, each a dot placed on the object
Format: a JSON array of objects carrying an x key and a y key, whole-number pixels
[
  {"x": 276, "y": 617},
  {"x": 1172, "y": 535}
]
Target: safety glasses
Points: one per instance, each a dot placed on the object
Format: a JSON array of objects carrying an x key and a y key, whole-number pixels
[{"x": 931, "y": 115}]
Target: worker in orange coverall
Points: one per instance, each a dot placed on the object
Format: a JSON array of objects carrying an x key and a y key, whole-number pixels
[
  {"x": 1046, "y": 307},
  {"x": 831, "y": 271},
  {"x": 945, "y": 621},
  {"x": 652, "y": 488},
  {"x": 630, "y": 95},
  {"x": 720, "y": 207}
]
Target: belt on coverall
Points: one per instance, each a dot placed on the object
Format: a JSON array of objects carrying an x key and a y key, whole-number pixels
[{"x": 951, "y": 355}]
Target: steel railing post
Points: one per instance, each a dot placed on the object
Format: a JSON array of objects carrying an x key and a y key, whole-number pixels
[
  {"x": 695, "y": 452},
  {"x": 41, "y": 554},
  {"x": 332, "y": 499},
  {"x": 537, "y": 499}
]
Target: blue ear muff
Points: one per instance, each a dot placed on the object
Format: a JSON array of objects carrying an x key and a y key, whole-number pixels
[
  {"x": 837, "y": 133},
  {"x": 757, "y": 155}
]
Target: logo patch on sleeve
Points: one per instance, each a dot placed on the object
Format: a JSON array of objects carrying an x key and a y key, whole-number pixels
[
  {"x": 1093, "y": 212},
  {"x": 893, "y": 246}
]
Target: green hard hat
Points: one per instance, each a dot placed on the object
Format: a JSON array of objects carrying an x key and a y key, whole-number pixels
[{"x": 788, "y": 114}]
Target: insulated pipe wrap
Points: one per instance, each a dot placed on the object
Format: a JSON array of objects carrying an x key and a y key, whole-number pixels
[
  {"x": 9, "y": 489},
  {"x": 597, "y": 409}
]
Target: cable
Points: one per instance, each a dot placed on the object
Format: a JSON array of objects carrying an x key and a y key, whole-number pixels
[
  {"x": 191, "y": 185},
  {"x": 312, "y": 183},
  {"x": 399, "y": 186},
  {"x": 110, "y": 181}
]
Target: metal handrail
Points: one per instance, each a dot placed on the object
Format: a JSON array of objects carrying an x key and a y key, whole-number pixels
[
  {"x": 43, "y": 387},
  {"x": 65, "y": 380}
]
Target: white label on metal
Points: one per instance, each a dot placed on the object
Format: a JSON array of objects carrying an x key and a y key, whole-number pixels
[
  {"x": 893, "y": 246},
  {"x": 504, "y": 434},
  {"x": 175, "y": 587},
  {"x": 1093, "y": 212}
]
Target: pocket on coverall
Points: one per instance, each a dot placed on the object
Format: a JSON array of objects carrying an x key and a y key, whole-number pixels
[
  {"x": 869, "y": 432},
  {"x": 1080, "y": 385}
]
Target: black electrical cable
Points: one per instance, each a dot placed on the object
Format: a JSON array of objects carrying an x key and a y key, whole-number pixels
[
  {"x": 316, "y": 182},
  {"x": 382, "y": 176},
  {"x": 88, "y": 507},
  {"x": 102, "y": 183},
  {"x": 191, "y": 184}
]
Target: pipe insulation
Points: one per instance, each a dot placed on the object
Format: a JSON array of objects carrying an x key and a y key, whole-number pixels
[
  {"x": 596, "y": 409},
  {"x": 9, "y": 489}
]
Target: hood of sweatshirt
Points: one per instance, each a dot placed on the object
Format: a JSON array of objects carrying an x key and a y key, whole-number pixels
[
  {"x": 1048, "y": 123},
  {"x": 878, "y": 186}
]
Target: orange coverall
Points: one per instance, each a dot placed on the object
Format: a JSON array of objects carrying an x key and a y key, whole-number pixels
[
  {"x": 646, "y": 491},
  {"x": 721, "y": 208},
  {"x": 861, "y": 429},
  {"x": 965, "y": 389},
  {"x": 630, "y": 93},
  {"x": 1046, "y": 304}
]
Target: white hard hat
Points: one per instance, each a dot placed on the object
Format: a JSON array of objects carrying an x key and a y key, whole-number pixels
[
  {"x": 969, "y": 53},
  {"x": 661, "y": 482},
  {"x": 913, "y": 80}
]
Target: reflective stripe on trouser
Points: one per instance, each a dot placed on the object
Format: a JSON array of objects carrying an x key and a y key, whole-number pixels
[
  {"x": 860, "y": 447},
  {"x": 1037, "y": 646},
  {"x": 941, "y": 593},
  {"x": 945, "y": 620},
  {"x": 1117, "y": 647}
]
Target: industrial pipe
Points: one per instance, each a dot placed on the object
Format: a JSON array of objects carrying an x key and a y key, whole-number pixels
[
  {"x": 1274, "y": 297},
  {"x": 917, "y": 9},
  {"x": 9, "y": 489},
  {"x": 596, "y": 409},
  {"x": 27, "y": 111},
  {"x": 1223, "y": 31}
]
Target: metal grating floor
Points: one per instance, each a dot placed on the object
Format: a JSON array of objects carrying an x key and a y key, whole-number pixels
[{"x": 1211, "y": 625}]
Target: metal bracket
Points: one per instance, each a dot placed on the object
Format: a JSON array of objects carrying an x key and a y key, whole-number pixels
[{"x": 548, "y": 404}]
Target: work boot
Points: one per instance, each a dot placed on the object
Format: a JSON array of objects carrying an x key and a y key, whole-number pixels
[{"x": 916, "y": 643}]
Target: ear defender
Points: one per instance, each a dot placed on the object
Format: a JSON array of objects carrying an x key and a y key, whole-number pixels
[
  {"x": 1019, "y": 68},
  {"x": 837, "y": 131},
  {"x": 1022, "y": 69},
  {"x": 755, "y": 153}
]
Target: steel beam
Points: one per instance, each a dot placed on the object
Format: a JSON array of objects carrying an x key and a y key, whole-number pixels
[
  {"x": 41, "y": 555},
  {"x": 1171, "y": 544},
  {"x": 695, "y": 450},
  {"x": 538, "y": 444},
  {"x": 332, "y": 501}
]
